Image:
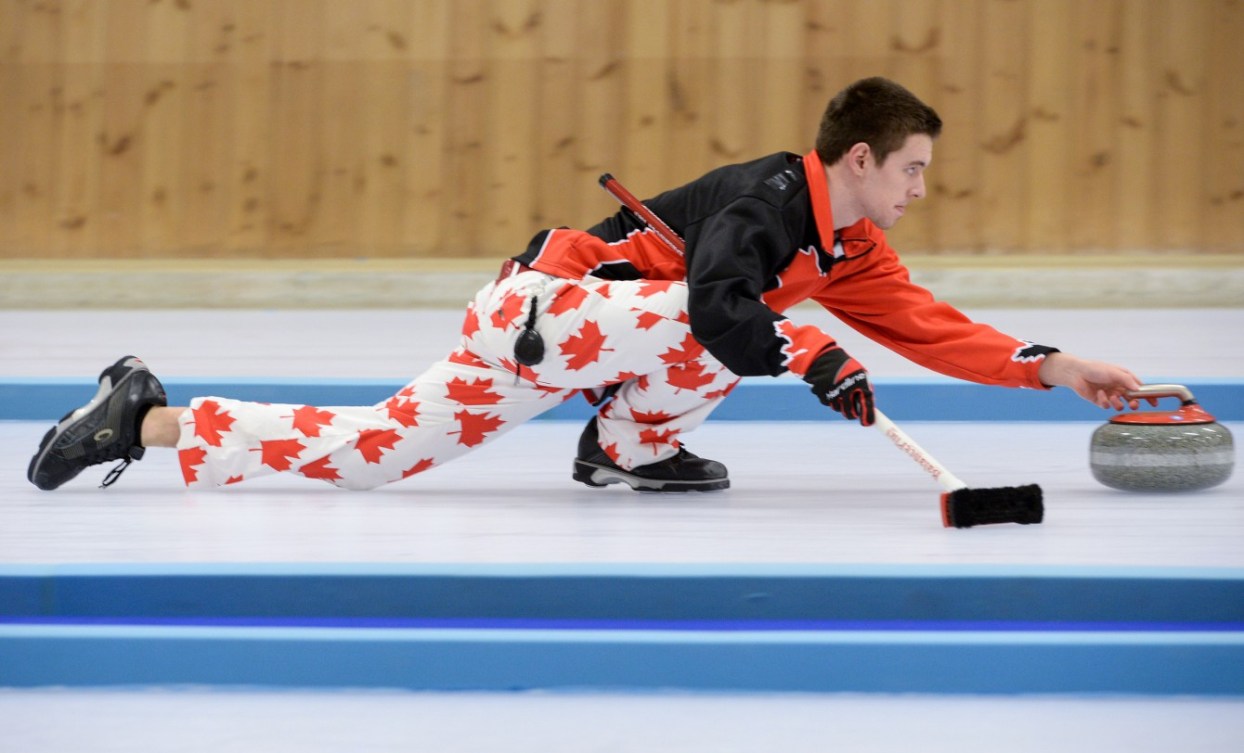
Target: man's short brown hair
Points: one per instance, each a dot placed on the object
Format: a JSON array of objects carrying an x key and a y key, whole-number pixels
[{"x": 876, "y": 111}]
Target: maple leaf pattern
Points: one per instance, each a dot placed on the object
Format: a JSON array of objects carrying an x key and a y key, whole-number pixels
[
  {"x": 799, "y": 280},
  {"x": 277, "y": 453},
  {"x": 567, "y": 299},
  {"x": 403, "y": 411},
  {"x": 419, "y": 467},
  {"x": 720, "y": 393},
  {"x": 466, "y": 358},
  {"x": 510, "y": 309},
  {"x": 801, "y": 344},
  {"x": 611, "y": 450},
  {"x": 372, "y": 443},
  {"x": 470, "y": 323},
  {"x": 521, "y": 371},
  {"x": 623, "y": 376},
  {"x": 475, "y": 427},
  {"x": 685, "y": 351},
  {"x": 308, "y": 420},
  {"x": 653, "y": 417},
  {"x": 688, "y": 376},
  {"x": 584, "y": 347},
  {"x": 320, "y": 469},
  {"x": 658, "y": 438},
  {"x": 478, "y": 392},
  {"x": 189, "y": 458},
  {"x": 234, "y": 480},
  {"x": 650, "y": 288},
  {"x": 648, "y": 320},
  {"x": 210, "y": 422}
]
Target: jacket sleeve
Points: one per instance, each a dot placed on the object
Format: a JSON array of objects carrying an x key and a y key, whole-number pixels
[
  {"x": 730, "y": 255},
  {"x": 877, "y": 298}
]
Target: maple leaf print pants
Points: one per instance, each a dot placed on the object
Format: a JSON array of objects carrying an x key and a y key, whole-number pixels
[{"x": 633, "y": 334}]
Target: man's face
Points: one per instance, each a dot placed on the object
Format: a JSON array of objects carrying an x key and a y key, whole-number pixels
[{"x": 888, "y": 188}]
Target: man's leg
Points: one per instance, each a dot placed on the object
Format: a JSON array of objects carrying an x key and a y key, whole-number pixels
[
  {"x": 633, "y": 335},
  {"x": 643, "y": 422},
  {"x": 456, "y": 405}
]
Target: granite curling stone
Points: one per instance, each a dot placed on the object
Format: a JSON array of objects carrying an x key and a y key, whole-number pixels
[{"x": 1162, "y": 451}]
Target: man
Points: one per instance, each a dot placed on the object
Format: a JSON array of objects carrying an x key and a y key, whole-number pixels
[{"x": 654, "y": 336}]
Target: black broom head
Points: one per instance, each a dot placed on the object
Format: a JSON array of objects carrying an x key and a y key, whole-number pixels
[{"x": 964, "y": 508}]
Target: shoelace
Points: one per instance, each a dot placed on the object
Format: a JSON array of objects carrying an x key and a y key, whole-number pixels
[{"x": 115, "y": 473}]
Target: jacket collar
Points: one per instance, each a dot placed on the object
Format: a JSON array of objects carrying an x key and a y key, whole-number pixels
[{"x": 818, "y": 193}]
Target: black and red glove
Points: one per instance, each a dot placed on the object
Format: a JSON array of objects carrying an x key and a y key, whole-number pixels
[{"x": 840, "y": 382}]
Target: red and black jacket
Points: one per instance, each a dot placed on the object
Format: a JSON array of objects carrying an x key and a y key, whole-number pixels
[{"x": 760, "y": 239}]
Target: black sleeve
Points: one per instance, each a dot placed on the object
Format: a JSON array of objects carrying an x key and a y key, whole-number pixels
[{"x": 730, "y": 255}]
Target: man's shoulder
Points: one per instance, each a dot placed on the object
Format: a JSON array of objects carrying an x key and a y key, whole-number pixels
[{"x": 776, "y": 179}]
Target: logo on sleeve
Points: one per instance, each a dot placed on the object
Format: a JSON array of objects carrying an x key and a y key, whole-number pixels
[
  {"x": 1028, "y": 352},
  {"x": 782, "y": 180}
]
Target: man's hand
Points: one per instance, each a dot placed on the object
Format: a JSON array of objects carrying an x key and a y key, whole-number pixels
[
  {"x": 840, "y": 382},
  {"x": 1103, "y": 384}
]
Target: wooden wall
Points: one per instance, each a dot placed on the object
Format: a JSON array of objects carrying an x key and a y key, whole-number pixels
[{"x": 419, "y": 128}]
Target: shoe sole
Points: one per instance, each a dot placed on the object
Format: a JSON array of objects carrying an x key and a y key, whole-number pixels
[{"x": 597, "y": 476}]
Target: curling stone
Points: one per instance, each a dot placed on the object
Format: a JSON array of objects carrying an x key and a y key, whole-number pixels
[{"x": 1162, "y": 451}]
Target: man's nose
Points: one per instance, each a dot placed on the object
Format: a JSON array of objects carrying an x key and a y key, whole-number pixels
[{"x": 917, "y": 191}]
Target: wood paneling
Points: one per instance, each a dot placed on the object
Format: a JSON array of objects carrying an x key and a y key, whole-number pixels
[{"x": 422, "y": 128}]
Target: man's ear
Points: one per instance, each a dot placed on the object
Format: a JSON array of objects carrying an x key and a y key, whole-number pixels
[{"x": 858, "y": 157}]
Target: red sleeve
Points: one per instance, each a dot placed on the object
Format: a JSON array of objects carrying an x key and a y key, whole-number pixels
[{"x": 875, "y": 296}]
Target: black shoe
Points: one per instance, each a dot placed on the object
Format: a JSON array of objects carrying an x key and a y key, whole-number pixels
[
  {"x": 107, "y": 428},
  {"x": 683, "y": 472}
]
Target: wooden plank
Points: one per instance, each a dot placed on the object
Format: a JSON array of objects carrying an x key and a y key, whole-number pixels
[
  {"x": 954, "y": 177},
  {"x": 734, "y": 100},
  {"x": 1181, "y": 103},
  {"x": 601, "y": 83},
  {"x": 1223, "y": 212},
  {"x": 915, "y": 49},
  {"x": 778, "y": 110},
  {"x": 343, "y": 118},
  {"x": 116, "y": 145},
  {"x": 384, "y": 85},
  {"x": 1136, "y": 133},
  {"x": 557, "y": 184},
  {"x": 39, "y": 111},
  {"x": 1004, "y": 126},
  {"x": 163, "y": 136},
  {"x": 1092, "y": 190},
  {"x": 1049, "y": 125},
  {"x": 299, "y": 163},
  {"x": 427, "y": 180},
  {"x": 207, "y": 103},
  {"x": 510, "y": 161},
  {"x": 689, "y": 86},
  {"x": 250, "y": 176},
  {"x": 645, "y": 115},
  {"x": 468, "y": 75}
]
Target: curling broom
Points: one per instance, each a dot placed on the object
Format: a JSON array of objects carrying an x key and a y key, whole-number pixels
[{"x": 962, "y": 507}]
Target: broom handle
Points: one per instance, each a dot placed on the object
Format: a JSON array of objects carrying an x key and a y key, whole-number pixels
[
  {"x": 948, "y": 480},
  {"x": 628, "y": 200}
]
